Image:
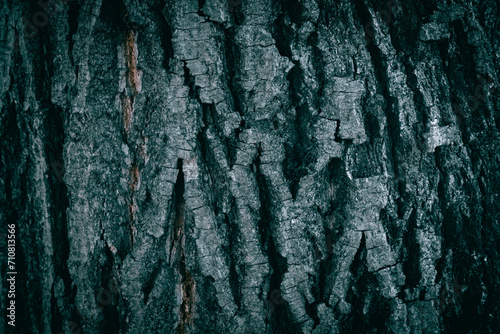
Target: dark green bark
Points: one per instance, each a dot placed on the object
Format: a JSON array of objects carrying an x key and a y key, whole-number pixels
[{"x": 267, "y": 166}]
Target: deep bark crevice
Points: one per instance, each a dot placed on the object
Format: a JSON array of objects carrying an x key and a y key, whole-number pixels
[
  {"x": 231, "y": 59},
  {"x": 106, "y": 300},
  {"x": 165, "y": 35},
  {"x": 393, "y": 124},
  {"x": 53, "y": 140},
  {"x": 178, "y": 207},
  {"x": 300, "y": 152},
  {"x": 463, "y": 69},
  {"x": 58, "y": 192},
  {"x": 114, "y": 13},
  {"x": 16, "y": 201},
  {"x": 280, "y": 320},
  {"x": 177, "y": 254},
  {"x": 411, "y": 254},
  {"x": 369, "y": 310},
  {"x": 277, "y": 262},
  {"x": 333, "y": 216},
  {"x": 73, "y": 15},
  {"x": 233, "y": 237}
]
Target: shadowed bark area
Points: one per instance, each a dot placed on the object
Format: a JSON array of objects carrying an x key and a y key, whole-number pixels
[{"x": 267, "y": 166}]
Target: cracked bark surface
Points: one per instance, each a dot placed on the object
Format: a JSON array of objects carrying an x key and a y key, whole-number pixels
[{"x": 267, "y": 166}]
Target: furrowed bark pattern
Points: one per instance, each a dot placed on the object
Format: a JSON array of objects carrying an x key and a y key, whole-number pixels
[{"x": 268, "y": 166}]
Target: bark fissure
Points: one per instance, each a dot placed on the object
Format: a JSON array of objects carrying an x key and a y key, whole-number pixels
[
  {"x": 233, "y": 236},
  {"x": 390, "y": 108},
  {"x": 165, "y": 35},
  {"x": 300, "y": 153},
  {"x": 73, "y": 13},
  {"x": 179, "y": 258},
  {"x": 280, "y": 317}
]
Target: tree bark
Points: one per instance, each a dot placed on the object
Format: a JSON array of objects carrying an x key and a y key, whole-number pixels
[{"x": 264, "y": 166}]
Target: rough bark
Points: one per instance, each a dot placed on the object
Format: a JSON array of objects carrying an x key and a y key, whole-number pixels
[{"x": 264, "y": 166}]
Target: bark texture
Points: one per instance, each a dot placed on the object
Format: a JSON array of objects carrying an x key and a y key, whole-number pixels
[{"x": 255, "y": 166}]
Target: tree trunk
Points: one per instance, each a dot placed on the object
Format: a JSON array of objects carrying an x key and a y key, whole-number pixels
[{"x": 264, "y": 166}]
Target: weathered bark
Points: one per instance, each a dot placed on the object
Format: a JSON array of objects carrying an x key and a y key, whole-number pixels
[{"x": 264, "y": 166}]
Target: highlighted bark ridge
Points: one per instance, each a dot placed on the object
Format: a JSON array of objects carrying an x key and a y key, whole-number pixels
[
  {"x": 127, "y": 97},
  {"x": 187, "y": 307},
  {"x": 134, "y": 186},
  {"x": 133, "y": 75},
  {"x": 128, "y": 111}
]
